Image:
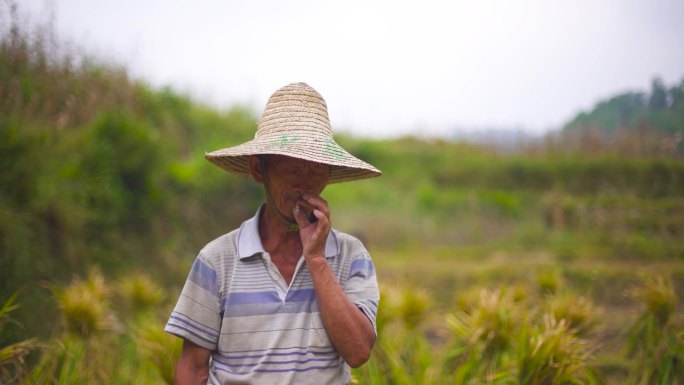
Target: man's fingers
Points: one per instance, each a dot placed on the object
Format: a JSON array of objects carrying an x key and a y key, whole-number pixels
[
  {"x": 317, "y": 203},
  {"x": 321, "y": 217}
]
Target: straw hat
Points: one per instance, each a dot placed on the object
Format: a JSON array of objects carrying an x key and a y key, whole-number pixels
[{"x": 295, "y": 123}]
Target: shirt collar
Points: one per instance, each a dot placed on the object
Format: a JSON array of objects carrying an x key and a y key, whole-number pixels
[{"x": 249, "y": 242}]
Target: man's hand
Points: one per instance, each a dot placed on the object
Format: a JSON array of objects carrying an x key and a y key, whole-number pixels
[{"x": 313, "y": 235}]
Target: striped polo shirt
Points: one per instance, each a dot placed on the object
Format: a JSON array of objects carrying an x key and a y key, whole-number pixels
[{"x": 260, "y": 330}]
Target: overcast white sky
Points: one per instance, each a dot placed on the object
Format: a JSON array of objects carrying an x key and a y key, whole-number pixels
[{"x": 390, "y": 67}]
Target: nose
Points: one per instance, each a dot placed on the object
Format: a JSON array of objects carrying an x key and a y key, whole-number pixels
[
  {"x": 303, "y": 186},
  {"x": 307, "y": 180}
]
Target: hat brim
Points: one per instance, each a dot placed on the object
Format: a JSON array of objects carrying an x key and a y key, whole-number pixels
[{"x": 344, "y": 167}]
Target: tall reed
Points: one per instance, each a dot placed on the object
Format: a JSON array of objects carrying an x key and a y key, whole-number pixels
[
  {"x": 656, "y": 338},
  {"x": 101, "y": 343},
  {"x": 483, "y": 336},
  {"x": 551, "y": 354},
  {"x": 13, "y": 356},
  {"x": 501, "y": 339},
  {"x": 402, "y": 355}
]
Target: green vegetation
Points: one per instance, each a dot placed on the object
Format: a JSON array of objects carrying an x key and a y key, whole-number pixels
[
  {"x": 560, "y": 264},
  {"x": 12, "y": 356},
  {"x": 101, "y": 339},
  {"x": 660, "y": 111},
  {"x": 99, "y": 170}
]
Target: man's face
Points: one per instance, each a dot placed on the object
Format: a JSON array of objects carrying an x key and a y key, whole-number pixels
[{"x": 290, "y": 178}]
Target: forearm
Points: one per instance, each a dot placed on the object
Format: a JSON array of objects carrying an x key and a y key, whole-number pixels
[
  {"x": 192, "y": 367},
  {"x": 349, "y": 329},
  {"x": 187, "y": 374}
]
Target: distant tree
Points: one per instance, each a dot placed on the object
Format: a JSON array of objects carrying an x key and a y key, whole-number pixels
[
  {"x": 619, "y": 112},
  {"x": 658, "y": 99},
  {"x": 677, "y": 96},
  {"x": 659, "y": 112}
]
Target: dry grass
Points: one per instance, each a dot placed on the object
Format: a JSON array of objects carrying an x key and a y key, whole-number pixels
[{"x": 13, "y": 356}]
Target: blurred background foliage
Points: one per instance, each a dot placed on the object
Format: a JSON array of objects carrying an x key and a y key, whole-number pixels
[
  {"x": 99, "y": 169},
  {"x": 557, "y": 262}
]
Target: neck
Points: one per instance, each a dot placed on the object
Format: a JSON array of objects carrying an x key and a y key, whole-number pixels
[{"x": 275, "y": 236}]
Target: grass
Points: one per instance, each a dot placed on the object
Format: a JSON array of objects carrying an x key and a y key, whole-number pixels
[
  {"x": 104, "y": 339},
  {"x": 515, "y": 332},
  {"x": 656, "y": 339},
  {"x": 596, "y": 301},
  {"x": 551, "y": 354},
  {"x": 499, "y": 336},
  {"x": 13, "y": 355}
]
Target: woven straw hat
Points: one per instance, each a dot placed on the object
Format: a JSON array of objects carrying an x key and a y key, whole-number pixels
[{"x": 295, "y": 123}]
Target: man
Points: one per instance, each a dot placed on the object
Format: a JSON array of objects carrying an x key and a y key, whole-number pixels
[{"x": 284, "y": 299}]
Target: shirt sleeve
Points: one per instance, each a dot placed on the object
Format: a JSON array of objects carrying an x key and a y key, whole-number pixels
[
  {"x": 362, "y": 287},
  {"x": 196, "y": 316}
]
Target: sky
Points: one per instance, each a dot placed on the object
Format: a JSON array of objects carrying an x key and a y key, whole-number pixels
[{"x": 388, "y": 68}]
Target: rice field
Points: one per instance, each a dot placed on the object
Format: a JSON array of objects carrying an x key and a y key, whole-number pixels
[{"x": 443, "y": 320}]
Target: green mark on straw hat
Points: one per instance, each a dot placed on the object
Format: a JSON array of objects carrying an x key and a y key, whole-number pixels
[
  {"x": 286, "y": 140},
  {"x": 332, "y": 149}
]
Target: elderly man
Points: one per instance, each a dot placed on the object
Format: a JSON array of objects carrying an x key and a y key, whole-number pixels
[{"x": 284, "y": 299}]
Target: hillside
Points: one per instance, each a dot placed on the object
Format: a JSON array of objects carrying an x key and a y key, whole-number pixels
[
  {"x": 660, "y": 111},
  {"x": 99, "y": 169}
]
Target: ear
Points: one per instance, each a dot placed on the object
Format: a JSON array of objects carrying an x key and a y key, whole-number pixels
[{"x": 256, "y": 167}]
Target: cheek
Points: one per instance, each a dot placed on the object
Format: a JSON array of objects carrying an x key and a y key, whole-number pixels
[{"x": 320, "y": 185}]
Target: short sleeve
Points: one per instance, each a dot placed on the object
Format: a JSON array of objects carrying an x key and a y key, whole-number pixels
[
  {"x": 196, "y": 316},
  {"x": 362, "y": 287}
]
